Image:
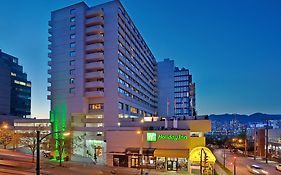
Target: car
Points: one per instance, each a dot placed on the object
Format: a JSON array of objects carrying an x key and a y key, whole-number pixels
[
  {"x": 278, "y": 167},
  {"x": 255, "y": 169}
]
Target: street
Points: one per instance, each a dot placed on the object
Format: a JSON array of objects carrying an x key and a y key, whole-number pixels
[{"x": 242, "y": 162}]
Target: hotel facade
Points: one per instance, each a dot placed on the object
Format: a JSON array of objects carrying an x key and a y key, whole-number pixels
[{"x": 104, "y": 81}]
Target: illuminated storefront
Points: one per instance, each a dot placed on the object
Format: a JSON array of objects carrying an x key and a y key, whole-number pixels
[{"x": 162, "y": 149}]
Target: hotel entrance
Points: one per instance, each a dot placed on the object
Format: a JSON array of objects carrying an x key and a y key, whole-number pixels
[
  {"x": 135, "y": 162},
  {"x": 172, "y": 164}
]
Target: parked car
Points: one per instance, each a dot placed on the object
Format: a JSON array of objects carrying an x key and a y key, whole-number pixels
[
  {"x": 255, "y": 169},
  {"x": 278, "y": 167}
]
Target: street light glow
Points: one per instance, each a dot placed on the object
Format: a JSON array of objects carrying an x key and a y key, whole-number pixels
[{"x": 66, "y": 133}]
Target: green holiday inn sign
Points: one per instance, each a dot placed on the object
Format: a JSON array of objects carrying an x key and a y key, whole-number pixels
[{"x": 152, "y": 137}]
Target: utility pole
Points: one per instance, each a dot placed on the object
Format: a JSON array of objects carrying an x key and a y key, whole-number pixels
[
  {"x": 234, "y": 166},
  {"x": 255, "y": 139},
  {"x": 246, "y": 141},
  {"x": 224, "y": 156},
  {"x": 266, "y": 142}
]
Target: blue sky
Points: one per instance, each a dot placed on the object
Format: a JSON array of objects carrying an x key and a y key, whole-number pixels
[{"x": 232, "y": 48}]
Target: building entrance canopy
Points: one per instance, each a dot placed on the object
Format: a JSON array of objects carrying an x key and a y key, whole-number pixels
[{"x": 197, "y": 154}]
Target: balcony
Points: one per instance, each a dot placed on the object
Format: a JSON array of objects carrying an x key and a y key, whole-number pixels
[
  {"x": 93, "y": 13},
  {"x": 95, "y": 65},
  {"x": 94, "y": 30},
  {"x": 49, "y": 71},
  {"x": 94, "y": 56},
  {"x": 94, "y": 84},
  {"x": 49, "y": 63},
  {"x": 50, "y": 55},
  {"x": 49, "y": 80},
  {"x": 98, "y": 74},
  {"x": 95, "y": 47},
  {"x": 49, "y": 88},
  {"x": 49, "y": 97},
  {"x": 50, "y": 31},
  {"x": 94, "y": 39},
  {"x": 50, "y": 46},
  {"x": 98, "y": 20},
  {"x": 50, "y": 38},
  {"x": 94, "y": 94},
  {"x": 50, "y": 23}
]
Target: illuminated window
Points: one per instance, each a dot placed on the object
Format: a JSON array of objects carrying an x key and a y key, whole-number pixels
[
  {"x": 71, "y": 81},
  {"x": 72, "y": 36},
  {"x": 72, "y": 27},
  {"x": 120, "y": 105},
  {"x": 13, "y": 74},
  {"x": 72, "y": 19},
  {"x": 72, "y": 45},
  {"x": 134, "y": 110},
  {"x": 72, "y": 53},
  {"x": 96, "y": 106}
]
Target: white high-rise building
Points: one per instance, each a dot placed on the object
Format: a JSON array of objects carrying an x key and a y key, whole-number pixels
[{"x": 101, "y": 69}]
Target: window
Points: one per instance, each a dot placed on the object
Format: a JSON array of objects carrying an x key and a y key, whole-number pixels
[
  {"x": 96, "y": 106},
  {"x": 72, "y": 19},
  {"x": 72, "y": 45},
  {"x": 127, "y": 107},
  {"x": 134, "y": 110},
  {"x": 72, "y": 11},
  {"x": 72, "y": 36},
  {"x": 71, "y": 90},
  {"x": 71, "y": 71},
  {"x": 72, "y": 53},
  {"x": 72, "y": 27},
  {"x": 120, "y": 105},
  {"x": 71, "y": 81},
  {"x": 71, "y": 63}
]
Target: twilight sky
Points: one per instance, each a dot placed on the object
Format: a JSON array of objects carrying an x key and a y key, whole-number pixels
[{"x": 232, "y": 48}]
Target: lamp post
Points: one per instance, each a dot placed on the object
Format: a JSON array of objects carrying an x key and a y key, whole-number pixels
[
  {"x": 234, "y": 166},
  {"x": 39, "y": 140},
  {"x": 224, "y": 156},
  {"x": 141, "y": 150}
]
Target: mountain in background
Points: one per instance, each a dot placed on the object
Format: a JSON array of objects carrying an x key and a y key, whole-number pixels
[{"x": 256, "y": 117}]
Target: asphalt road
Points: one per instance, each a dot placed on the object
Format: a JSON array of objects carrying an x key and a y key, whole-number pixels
[{"x": 242, "y": 162}]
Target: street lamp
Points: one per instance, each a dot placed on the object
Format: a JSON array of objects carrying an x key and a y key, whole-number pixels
[
  {"x": 141, "y": 149},
  {"x": 39, "y": 140},
  {"x": 234, "y": 166}
]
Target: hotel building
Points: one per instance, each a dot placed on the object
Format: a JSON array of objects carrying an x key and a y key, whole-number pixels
[
  {"x": 104, "y": 82},
  {"x": 15, "y": 89},
  {"x": 101, "y": 69},
  {"x": 176, "y": 91}
]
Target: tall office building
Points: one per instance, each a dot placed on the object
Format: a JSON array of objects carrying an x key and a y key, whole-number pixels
[
  {"x": 15, "y": 89},
  {"x": 176, "y": 91},
  {"x": 100, "y": 68}
]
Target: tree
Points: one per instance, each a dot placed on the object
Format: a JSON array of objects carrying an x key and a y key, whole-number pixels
[
  {"x": 29, "y": 140},
  {"x": 61, "y": 146},
  {"x": 16, "y": 139},
  {"x": 5, "y": 135}
]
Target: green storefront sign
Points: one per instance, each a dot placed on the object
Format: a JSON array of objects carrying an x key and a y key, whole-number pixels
[{"x": 152, "y": 137}]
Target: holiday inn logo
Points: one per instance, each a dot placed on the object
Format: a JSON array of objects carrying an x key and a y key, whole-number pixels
[{"x": 152, "y": 137}]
